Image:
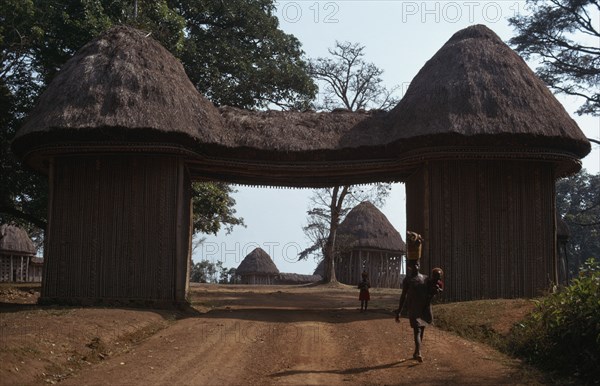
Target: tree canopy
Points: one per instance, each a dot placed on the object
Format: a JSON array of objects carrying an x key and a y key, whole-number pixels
[
  {"x": 350, "y": 82},
  {"x": 563, "y": 35},
  {"x": 206, "y": 271},
  {"x": 233, "y": 51},
  {"x": 578, "y": 202}
]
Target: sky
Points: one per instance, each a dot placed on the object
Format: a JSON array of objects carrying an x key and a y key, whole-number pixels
[{"x": 399, "y": 37}]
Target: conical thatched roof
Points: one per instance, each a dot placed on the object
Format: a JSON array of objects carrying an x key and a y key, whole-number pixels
[
  {"x": 367, "y": 228},
  {"x": 15, "y": 241},
  {"x": 476, "y": 90},
  {"x": 123, "y": 85},
  {"x": 257, "y": 262}
]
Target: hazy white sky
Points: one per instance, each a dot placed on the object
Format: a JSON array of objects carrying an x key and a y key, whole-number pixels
[{"x": 399, "y": 36}]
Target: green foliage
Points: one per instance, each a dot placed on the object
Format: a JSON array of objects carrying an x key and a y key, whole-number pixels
[
  {"x": 208, "y": 272},
  {"x": 233, "y": 51},
  {"x": 563, "y": 333},
  {"x": 563, "y": 35},
  {"x": 226, "y": 275},
  {"x": 213, "y": 207},
  {"x": 578, "y": 203},
  {"x": 203, "y": 272},
  {"x": 236, "y": 55},
  {"x": 23, "y": 195}
]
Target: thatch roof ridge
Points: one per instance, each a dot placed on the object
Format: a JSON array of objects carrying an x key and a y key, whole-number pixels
[
  {"x": 297, "y": 278},
  {"x": 15, "y": 240},
  {"x": 477, "y": 86},
  {"x": 295, "y": 131},
  {"x": 257, "y": 262},
  {"x": 122, "y": 81},
  {"x": 366, "y": 227}
]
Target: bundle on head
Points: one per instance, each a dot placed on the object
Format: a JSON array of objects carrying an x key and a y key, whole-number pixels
[{"x": 413, "y": 245}]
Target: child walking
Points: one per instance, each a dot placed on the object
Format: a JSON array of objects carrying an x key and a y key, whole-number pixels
[
  {"x": 364, "y": 295},
  {"x": 436, "y": 283}
]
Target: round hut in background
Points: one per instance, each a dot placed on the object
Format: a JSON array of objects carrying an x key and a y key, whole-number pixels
[
  {"x": 490, "y": 140},
  {"x": 17, "y": 256},
  {"x": 366, "y": 240},
  {"x": 257, "y": 268}
]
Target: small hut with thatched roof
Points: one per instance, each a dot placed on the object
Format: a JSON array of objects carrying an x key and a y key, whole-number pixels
[
  {"x": 368, "y": 241},
  {"x": 257, "y": 268},
  {"x": 17, "y": 255}
]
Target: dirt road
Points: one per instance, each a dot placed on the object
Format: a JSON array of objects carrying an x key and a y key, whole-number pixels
[{"x": 290, "y": 336}]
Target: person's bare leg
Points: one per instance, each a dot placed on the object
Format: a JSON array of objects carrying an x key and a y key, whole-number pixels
[{"x": 417, "y": 334}]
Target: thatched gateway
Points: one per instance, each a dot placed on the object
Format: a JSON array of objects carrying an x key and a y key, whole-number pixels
[
  {"x": 121, "y": 132},
  {"x": 17, "y": 256},
  {"x": 367, "y": 241},
  {"x": 257, "y": 268}
]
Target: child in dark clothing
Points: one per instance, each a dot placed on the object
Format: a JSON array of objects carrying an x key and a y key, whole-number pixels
[
  {"x": 364, "y": 295},
  {"x": 436, "y": 284}
]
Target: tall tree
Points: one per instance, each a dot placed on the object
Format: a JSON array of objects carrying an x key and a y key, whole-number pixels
[
  {"x": 349, "y": 81},
  {"x": 578, "y": 202},
  {"x": 236, "y": 55},
  {"x": 563, "y": 35},
  {"x": 232, "y": 50},
  {"x": 353, "y": 84}
]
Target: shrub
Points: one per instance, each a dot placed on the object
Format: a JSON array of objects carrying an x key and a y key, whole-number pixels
[{"x": 563, "y": 333}]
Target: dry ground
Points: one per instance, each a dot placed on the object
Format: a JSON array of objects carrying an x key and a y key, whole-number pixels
[{"x": 283, "y": 335}]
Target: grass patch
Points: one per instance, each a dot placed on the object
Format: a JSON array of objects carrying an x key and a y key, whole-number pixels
[{"x": 486, "y": 321}]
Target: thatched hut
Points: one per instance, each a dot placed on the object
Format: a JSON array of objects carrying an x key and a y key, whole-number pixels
[
  {"x": 17, "y": 255},
  {"x": 492, "y": 140},
  {"x": 257, "y": 268},
  {"x": 368, "y": 241}
]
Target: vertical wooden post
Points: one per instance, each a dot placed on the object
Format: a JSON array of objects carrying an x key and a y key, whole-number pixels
[{"x": 182, "y": 236}]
